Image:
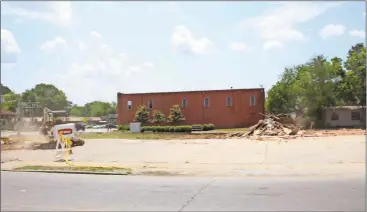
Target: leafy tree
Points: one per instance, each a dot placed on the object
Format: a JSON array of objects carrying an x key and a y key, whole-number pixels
[
  {"x": 158, "y": 117},
  {"x": 142, "y": 114},
  {"x": 4, "y": 89},
  {"x": 77, "y": 111},
  {"x": 320, "y": 83},
  {"x": 176, "y": 114},
  {"x": 99, "y": 108},
  {"x": 9, "y": 99},
  {"x": 46, "y": 95},
  {"x": 356, "y": 64},
  {"x": 10, "y": 102}
]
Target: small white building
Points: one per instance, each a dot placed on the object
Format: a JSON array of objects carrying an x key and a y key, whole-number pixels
[{"x": 345, "y": 116}]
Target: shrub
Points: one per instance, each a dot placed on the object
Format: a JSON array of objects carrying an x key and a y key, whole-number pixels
[
  {"x": 158, "y": 117},
  {"x": 123, "y": 127},
  {"x": 142, "y": 114},
  {"x": 183, "y": 128},
  {"x": 176, "y": 114},
  {"x": 211, "y": 126},
  {"x": 207, "y": 127},
  {"x": 186, "y": 128},
  {"x": 148, "y": 128},
  {"x": 161, "y": 129}
]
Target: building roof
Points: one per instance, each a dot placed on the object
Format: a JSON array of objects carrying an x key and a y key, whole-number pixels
[
  {"x": 345, "y": 108},
  {"x": 197, "y": 91}
]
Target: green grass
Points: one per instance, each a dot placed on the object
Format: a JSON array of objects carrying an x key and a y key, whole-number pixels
[
  {"x": 232, "y": 130},
  {"x": 97, "y": 169},
  {"x": 153, "y": 136},
  {"x": 121, "y": 135}
]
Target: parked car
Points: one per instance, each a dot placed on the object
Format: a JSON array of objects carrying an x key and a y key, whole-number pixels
[
  {"x": 99, "y": 126},
  {"x": 80, "y": 126}
]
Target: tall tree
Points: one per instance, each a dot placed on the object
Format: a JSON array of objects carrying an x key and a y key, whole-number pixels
[
  {"x": 321, "y": 83},
  {"x": 46, "y": 95},
  {"x": 356, "y": 64},
  {"x": 4, "y": 89},
  {"x": 9, "y": 99}
]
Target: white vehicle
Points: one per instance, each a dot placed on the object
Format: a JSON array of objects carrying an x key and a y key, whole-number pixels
[{"x": 99, "y": 126}]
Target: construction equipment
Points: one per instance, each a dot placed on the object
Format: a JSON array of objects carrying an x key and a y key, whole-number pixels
[{"x": 52, "y": 118}]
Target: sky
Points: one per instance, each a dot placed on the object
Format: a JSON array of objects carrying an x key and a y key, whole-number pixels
[{"x": 92, "y": 50}]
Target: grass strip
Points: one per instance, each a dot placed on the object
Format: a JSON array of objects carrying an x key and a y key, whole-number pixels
[{"x": 97, "y": 169}]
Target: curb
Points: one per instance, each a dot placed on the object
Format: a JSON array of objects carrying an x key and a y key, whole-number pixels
[{"x": 71, "y": 172}]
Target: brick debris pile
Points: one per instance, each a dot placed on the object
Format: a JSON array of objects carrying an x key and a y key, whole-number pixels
[{"x": 272, "y": 125}]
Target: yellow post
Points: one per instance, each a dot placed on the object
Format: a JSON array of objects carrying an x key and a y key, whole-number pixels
[
  {"x": 68, "y": 150},
  {"x": 67, "y": 142}
]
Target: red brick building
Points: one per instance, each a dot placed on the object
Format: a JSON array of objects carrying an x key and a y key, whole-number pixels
[{"x": 223, "y": 108}]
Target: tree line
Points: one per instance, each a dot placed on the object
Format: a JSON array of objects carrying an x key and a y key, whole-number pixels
[
  {"x": 320, "y": 83},
  {"x": 47, "y": 95}
]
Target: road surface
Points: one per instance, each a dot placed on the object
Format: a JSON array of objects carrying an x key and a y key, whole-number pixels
[{"x": 51, "y": 192}]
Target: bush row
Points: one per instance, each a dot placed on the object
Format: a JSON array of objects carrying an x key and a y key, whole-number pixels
[
  {"x": 184, "y": 128},
  {"x": 205, "y": 127},
  {"x": 124, "y": 127}
]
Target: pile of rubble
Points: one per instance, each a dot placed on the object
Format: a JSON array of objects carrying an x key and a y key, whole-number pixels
[
  {"x": 280, "y": 125},
  {"x": 274, "y": 126}
]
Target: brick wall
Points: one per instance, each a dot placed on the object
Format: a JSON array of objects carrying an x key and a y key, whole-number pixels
[{"x": 240, "y": 114}]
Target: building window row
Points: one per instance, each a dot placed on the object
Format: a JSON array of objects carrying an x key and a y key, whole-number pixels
[
  {"x": 354, "y": 116},
  {"x": 184, "y": 104}
]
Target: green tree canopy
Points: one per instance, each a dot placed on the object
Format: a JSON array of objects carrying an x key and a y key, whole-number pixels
[
  {"x": 5, "y": 89},
  {"x": 46, "y": 95},
  {"x": 319, "y": 83}
]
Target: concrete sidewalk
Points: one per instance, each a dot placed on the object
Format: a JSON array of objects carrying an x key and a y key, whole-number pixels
[{"x": 328, "y": 155}]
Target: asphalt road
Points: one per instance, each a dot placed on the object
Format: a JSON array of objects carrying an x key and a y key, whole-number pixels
[{"x": 51, "y": 192}]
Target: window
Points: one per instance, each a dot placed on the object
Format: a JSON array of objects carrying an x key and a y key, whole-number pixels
[
  {"x": 206, "y": 102},
  {"x": 129, "y": 105},
  {"x": 334, "y": 116},
  {"x": 150, "y": 104},
  {"x": 229, "y": 101},
  {"x": 355, "y": 115},
  {"x": 184, "y": 103},
  {"x": 252, "y": 100}
]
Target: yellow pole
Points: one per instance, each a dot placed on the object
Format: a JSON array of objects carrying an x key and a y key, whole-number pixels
[
  {"x": 68, "y": 150},
  {"x": 67, "y": 142}
]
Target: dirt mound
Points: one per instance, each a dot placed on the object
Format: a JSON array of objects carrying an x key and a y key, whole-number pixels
[{"x": 15, "y": 142}]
